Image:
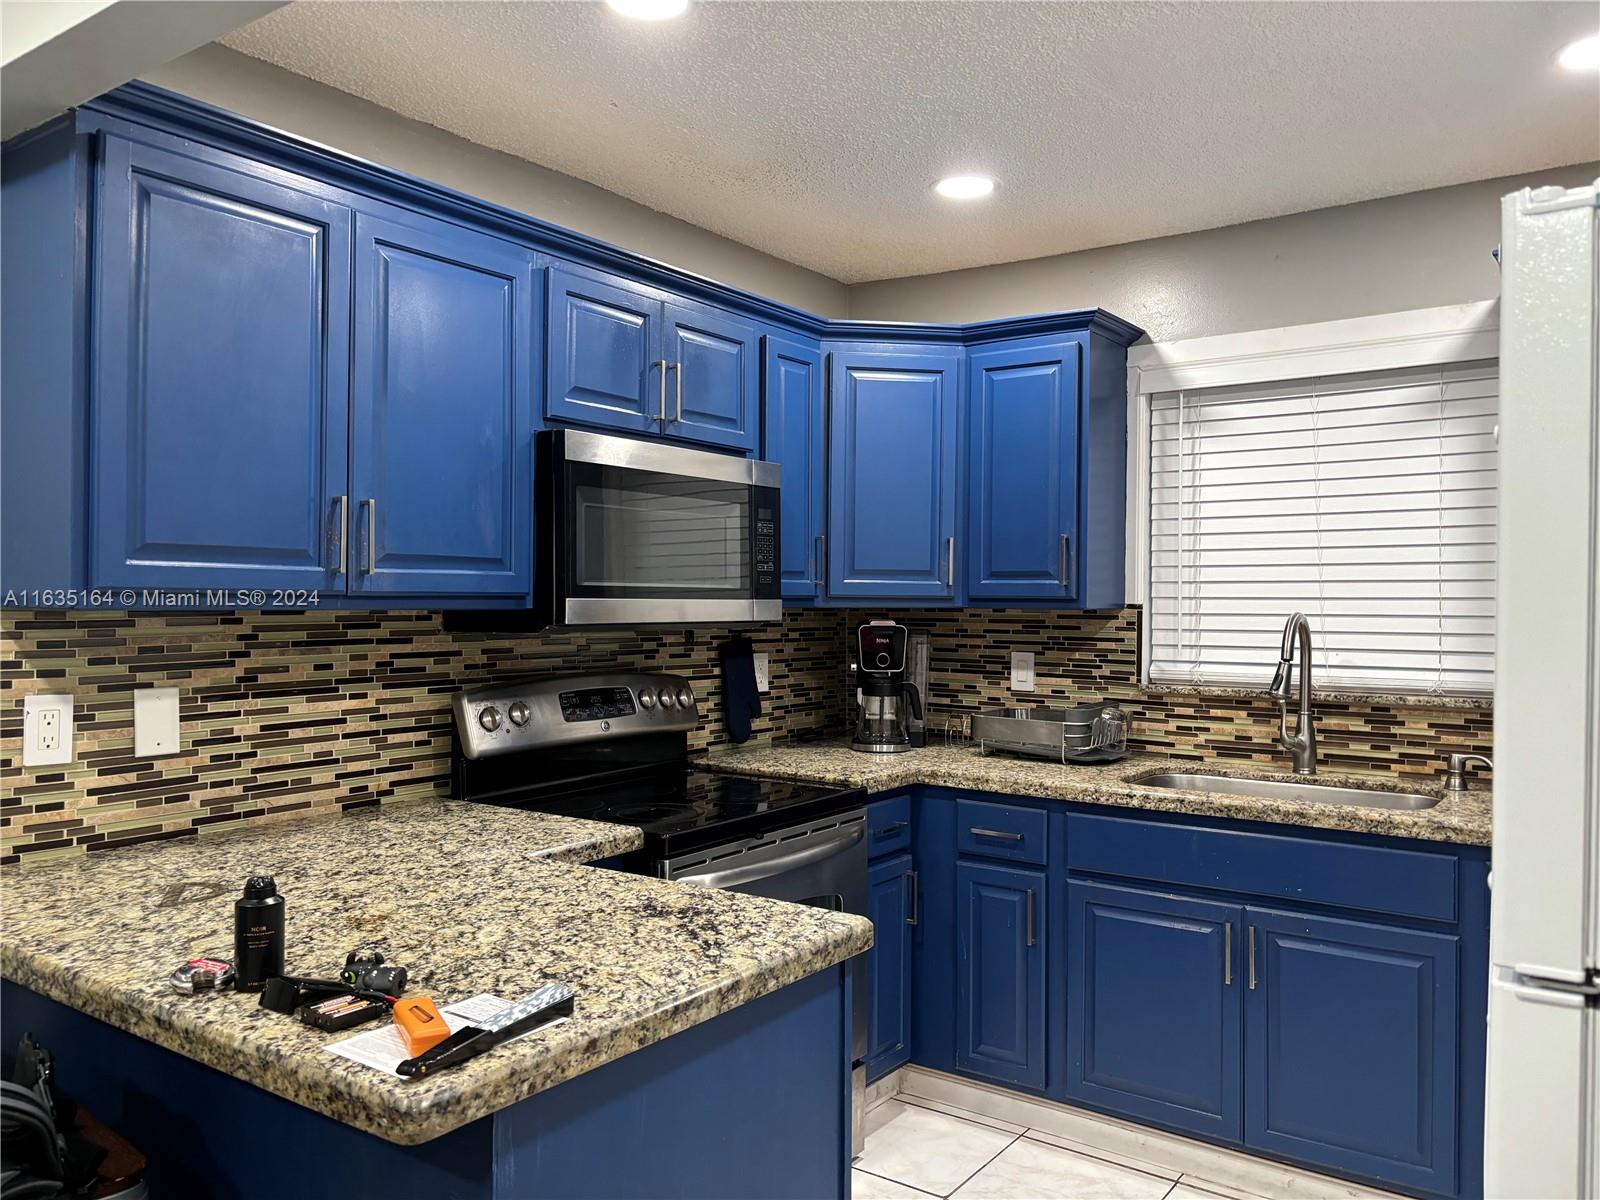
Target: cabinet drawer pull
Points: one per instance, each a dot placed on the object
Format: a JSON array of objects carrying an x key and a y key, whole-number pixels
[
  {"x": 886, "y": 830},
  {"x": 975, "y": 831},
  {"x": 1030, "y": 916},
  {"x": 1252, "y": 958},
  {"x": 1227, "y": 954},
  {"x": 677, "y": 375},
  {"x": 341, "y": 531},
  {"x": 916, "y": 899},
  {"x": 371, "y": 558}
]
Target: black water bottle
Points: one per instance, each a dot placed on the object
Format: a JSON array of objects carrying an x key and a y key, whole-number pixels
[{"x": 257, "y": 934}]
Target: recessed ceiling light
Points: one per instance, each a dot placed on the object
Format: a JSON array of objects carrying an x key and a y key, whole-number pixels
[
  {"x": 964, "y": 187},
  {"x": 649, "y": 10},
  {"x": 1582, "y": 55}
]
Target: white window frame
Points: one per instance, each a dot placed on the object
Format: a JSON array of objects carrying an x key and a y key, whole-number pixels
[{"x": 1423, "y": 337}]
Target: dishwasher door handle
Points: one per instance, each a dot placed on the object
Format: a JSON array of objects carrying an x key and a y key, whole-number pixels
[{"x": 813, "y": 850}]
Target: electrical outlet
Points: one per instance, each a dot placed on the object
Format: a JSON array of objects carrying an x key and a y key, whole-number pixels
[
  {"x": 763, "y": 674},
  {"x": 46, "y": 730},
  {"x": 155, "y": 722},
  {"x": 1022, "y": 670}
]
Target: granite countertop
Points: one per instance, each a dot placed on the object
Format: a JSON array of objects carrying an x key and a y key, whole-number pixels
[
  {"x": 1462, "y": 819},
  {"x": 470, "y": 898}
]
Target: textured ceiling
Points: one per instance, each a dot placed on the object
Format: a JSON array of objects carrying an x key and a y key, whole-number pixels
[{"x": 814, "y": 131}]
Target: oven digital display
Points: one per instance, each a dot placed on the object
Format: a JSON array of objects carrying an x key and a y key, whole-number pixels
[{"x": 596, "y": 704}]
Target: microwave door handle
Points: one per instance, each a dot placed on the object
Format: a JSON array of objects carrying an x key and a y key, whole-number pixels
[{"x": 813, "y": 851}]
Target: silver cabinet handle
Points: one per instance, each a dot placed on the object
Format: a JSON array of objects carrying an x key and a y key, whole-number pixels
[
  {"x": 341, "y": 532},
  {"x": 677, "y": 372},
  {"x": 821, "y": 551},
  {"x": 1030, "y": 916},
  {"x": 950, "y": 562},
  {"x": 975, "y": 831},
  {"x": 1227, "y": 954},
  {"x": 886, "y": 830},
  {"x": 1252, "y": 958},
  {"x": 1066, "y": 545},
  {"x": 916, "y": 898},
  {"x": 662, "y": 412},
  {"x": 371, "y": 557}
]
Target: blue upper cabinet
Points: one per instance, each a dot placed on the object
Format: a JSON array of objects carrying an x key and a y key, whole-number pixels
[
  {"x": 604, "y": 345},
  {"x": 220, "y": 388},
  {"x": 714, "y": 368},
  {"x": 441, "y": 451},
  {"x": 1022, "y": 472},
  {"x": 630, "y": 358},
  {"x": 1000, "y": 977},
  {"x": 1153, "y": 1007},
  {"x": 1380, "y": 1098},
  {"x": 893, "y": 480},
  {"x": 794, "y": 436}
]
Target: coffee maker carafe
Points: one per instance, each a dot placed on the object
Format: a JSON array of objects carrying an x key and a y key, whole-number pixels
[{"x": 887, "y": 700}]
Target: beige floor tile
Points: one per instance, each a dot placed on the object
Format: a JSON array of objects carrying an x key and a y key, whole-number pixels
[
  {"x": 864, "y": 1186},
  {"x": 1031, "y": 1170},
  {"x": 928, "y": 1150}
]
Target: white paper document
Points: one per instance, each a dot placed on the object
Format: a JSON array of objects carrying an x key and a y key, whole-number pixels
[{"x": 383, "y": 1048}]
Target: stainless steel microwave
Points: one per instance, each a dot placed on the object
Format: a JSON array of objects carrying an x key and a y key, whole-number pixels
[{"x": 630, "y": 532}]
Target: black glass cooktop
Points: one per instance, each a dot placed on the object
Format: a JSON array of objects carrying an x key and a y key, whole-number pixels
[{"x": 683, "y": 810}]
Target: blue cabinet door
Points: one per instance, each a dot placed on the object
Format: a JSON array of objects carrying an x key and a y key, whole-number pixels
[
  {"x": 891, "y": 897},
  {"x": 1154, "y": 1007},
  {"x": 1022, "y": 472},
  {"x": 714, "y": 374},
  {"x": 1000, "y": 978},
  {"x": 794, "y": 437},
  {"x": 220, "y": 396},
  {"x": 893, "y": 481},
  {"x": 603, "y": 339},
  {"x": 441, "y": 437},
  {"x": 1351, "y": 1047}
]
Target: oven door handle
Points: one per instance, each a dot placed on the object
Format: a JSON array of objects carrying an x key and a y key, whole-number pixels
[{"x": 834, "y": 841}]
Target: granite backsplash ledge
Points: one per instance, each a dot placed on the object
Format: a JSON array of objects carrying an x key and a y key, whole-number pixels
[
  {"x": 298, "y": 713},
  {"x": 1084, "y": 656}
]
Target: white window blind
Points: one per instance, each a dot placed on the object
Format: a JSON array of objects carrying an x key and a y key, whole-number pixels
[{"x": 1365, "y": 501}]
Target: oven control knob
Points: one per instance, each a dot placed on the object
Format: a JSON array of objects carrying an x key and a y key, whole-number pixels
[
  {"x": 489, "y": 718},
  {"x": 647, "y": 699},
  {"x": 685, "y": 697},
  {"x": 667, "y": 698},
  {"x": 518, "y": 712}
]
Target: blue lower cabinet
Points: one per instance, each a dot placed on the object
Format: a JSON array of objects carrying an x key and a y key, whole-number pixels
[
  {"x": 892, "y": 899},
  {"x": 441, "y": 452},
  {"x": 220, "y": 386},
  {"x": 1154, "y": 1007},
  {"x": 1351, "y": 1047},
  {"x": 1000, "y": 973}
]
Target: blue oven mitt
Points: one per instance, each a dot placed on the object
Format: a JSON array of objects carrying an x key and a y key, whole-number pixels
[{"x": 741, "y": 703}]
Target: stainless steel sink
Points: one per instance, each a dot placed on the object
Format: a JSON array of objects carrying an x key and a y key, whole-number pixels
[{"x": 1272, "y": 789}]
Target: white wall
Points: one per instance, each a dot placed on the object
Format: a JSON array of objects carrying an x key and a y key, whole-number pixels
[
  {"x": 273, "y": 96},
  {"x": 1420, "y": 250}
]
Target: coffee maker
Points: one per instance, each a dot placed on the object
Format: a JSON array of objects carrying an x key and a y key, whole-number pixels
[{"x": 889, "y": 717}]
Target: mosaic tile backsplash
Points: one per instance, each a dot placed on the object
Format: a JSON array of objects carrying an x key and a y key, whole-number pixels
[
  {"x": 1086, "y": 656},
  {"x": 300, "y": 713},
  {"x": 296, "y": 713}
]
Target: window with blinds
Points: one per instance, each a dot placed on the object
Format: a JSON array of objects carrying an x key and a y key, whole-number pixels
[{"x": 1366, "y": 502}]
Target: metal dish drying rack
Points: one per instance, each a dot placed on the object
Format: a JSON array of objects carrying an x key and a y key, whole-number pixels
[{"x": 1089, "y": 733}]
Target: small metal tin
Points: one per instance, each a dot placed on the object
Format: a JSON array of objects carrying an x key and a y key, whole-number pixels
[{"x": 203, "y": 974}]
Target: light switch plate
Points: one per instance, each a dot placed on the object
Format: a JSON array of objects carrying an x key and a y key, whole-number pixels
[
  {"x": 155, "y": 722},
  {"x": 1022, "y": 670},
  {"x": 46, "y": 730},
  {"x": 763, "y": 673}
]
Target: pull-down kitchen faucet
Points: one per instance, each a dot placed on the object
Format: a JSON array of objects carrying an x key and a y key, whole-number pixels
[{"x": 1302, "y": 743}]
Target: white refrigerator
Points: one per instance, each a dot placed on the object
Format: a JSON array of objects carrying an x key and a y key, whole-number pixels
[{"x": 1543, "y": 1103}]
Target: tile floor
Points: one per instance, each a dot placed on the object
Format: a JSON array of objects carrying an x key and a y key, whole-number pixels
[{"x": 918, "y": 1147}]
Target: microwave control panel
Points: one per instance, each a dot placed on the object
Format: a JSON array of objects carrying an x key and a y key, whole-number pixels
[{"x": 766, "y": 548}]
